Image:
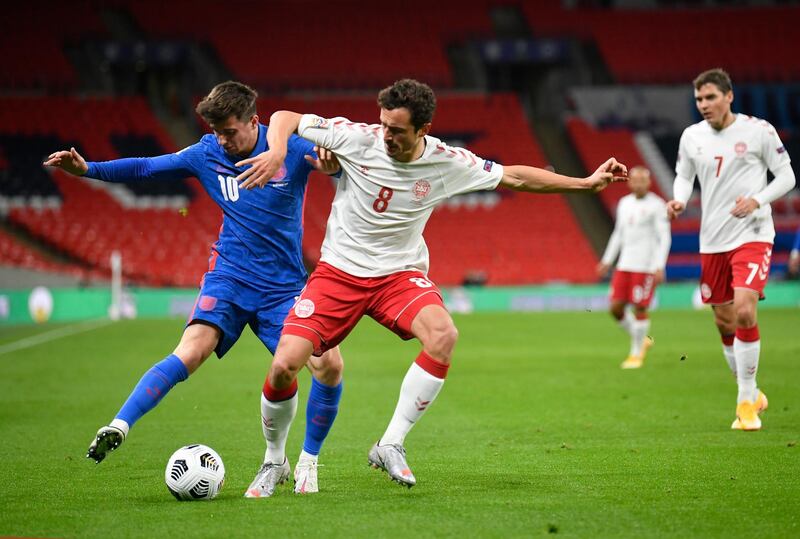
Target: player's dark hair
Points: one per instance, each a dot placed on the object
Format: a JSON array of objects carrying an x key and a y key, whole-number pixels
[
  {"x": 717, "y": 76},
  {"x": 228, "y": 99},
  {"x": 416, "y": 96}
]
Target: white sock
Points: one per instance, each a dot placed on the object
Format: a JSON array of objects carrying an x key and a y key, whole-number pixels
[
  {"x": 121, "y": 425},
  {"x": 746, "y": 368},
  {"x": 627, "y": 322},
  {"x": 638, "y": 333},
  {"x": 276, "y": 418},
  {"x": 730, "y": 357},
  {"x": 307, "y": 457},
  {"x": 417, "y": 393}
]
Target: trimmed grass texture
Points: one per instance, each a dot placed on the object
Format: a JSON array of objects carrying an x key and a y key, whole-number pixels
[{"x": 537, "y": 432}]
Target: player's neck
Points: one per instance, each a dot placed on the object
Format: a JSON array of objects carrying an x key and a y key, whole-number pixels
[
  {"x": 727, "y": 119},
  {"x": 419, "y": 149}
]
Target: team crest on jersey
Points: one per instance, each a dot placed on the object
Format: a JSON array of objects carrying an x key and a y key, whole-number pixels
[
  {"x": 207, "y": 303},
  {"x": 421, "y": 189},
  {"x": 319, "y": 123},
  {"x": 487, "y": 165},
  {"x": 304, "y": 308},
  {"x": 740, "y": 148},
  {"x": 279, "y": 176},
  {"x": 705, "y": 291}
]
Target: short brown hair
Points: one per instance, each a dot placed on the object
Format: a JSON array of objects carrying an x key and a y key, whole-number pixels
[
  {"x": 228, "y": 99},
  {"x": 416, "y": 96},
  {"x": 717, "y": 76}
]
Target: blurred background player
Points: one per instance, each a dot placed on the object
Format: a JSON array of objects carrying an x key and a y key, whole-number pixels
[
  {"x": 641, "y": 239},
  {"x": 255, "y": 270},
  {"x": 374, "y": 259},
  {"x": 730, "y": 155},
  {"x": 794, "y": 256}
]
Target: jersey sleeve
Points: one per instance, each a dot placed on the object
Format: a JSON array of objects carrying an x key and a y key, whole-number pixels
[
  {"x": 173, "y": 166},
  {"x": 467, "y": 172},
  {"x": 774, "y": 152},
  {"x": 336, "y": 134},
  {"x": 684, "y": 167}
]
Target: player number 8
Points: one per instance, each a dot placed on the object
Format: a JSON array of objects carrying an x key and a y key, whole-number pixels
[
  {"x": 420, "y": 282},
  {"x": 382, "y": 202}
]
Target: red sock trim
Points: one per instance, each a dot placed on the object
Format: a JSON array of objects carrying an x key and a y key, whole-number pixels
[
  {"x": 277, "y": 395},
  {"x": 642, "y": 316},
  {"x": 727, "y": 340},
  {"x": 432, "y": 366},
  {"x": 748, "y": 334}
]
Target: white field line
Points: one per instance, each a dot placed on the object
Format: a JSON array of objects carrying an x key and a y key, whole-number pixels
[{"x": 52, "y": 335}]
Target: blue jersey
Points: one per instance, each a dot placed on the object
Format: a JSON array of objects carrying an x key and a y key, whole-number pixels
[{"x": 261, "y": 234}]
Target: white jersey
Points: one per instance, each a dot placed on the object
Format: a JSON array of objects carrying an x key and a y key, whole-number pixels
[
  {"x": 641, "y": 234},
  {"x": 730, "y": 163},
  {"x": 382, "y": 205}
]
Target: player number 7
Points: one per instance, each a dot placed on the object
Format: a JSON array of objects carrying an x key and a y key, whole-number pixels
[
  {"x": 719, "y": 163},
  {"x": 753, "y": 269}
]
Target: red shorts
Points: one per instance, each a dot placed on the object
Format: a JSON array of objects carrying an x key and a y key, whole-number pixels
[
  {"x": 747, "y": 267},
  {"x": 333, "y": 302},
  {"x": 632, "y": 287}
]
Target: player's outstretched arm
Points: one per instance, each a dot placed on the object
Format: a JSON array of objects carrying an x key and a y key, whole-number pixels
[
  {"x": 538, "y": 180},
  {"x": 264, "y": 166},
  {"x": 69, "y": 161}
]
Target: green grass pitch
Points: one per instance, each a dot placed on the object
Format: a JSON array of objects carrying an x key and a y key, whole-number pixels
[{"x": 537, "y": 432}]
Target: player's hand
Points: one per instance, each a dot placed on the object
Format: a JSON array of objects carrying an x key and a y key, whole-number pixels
[
  {"x": 658, "y": 276},
  {"x": 602, "y": 269},
  {"x": 610, "y": 171},
  {"x": 327, "y": 162},
  {"x": 675, "y": 208},
  {"x": 70, "y": 161},
  {"x": 264, "y": 166},
  {"x": 744, "y": 207}
]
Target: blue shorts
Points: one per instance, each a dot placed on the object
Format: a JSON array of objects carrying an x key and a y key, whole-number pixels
[{"x": 230, "y": 304}]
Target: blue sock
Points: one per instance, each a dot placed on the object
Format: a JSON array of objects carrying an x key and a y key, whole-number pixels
[
  {"x": 323, "y": 405},
  {"x": 152, "y": 387}
]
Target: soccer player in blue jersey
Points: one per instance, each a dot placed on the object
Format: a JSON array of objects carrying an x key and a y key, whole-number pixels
[{"x": 255, "y": 273}]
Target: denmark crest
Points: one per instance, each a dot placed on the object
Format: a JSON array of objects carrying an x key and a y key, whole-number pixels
[
  {"x": 304, "y": 308},
  {"x": 740, "y": 148},
  {"x": 421, "y": 189}
]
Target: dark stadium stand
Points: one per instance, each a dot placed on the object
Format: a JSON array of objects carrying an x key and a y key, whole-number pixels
[
  {"x": 505, "y": 236},
  {"x": 287, "y": 47}
]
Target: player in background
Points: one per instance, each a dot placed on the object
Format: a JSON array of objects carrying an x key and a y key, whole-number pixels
[
  {"x": 255, "y": 270},
  {"x": 794, "y": 256},
  {"x": 730, "y": 154},
  {"x": 641, "y": 239},
  {"x": 374, "y": 259}
]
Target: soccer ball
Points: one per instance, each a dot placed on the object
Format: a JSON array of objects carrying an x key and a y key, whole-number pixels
[{"x": 195, "y": 472}]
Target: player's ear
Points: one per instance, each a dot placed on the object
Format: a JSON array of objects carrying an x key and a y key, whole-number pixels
[
  {"x": 424, "y": 130},
  {"x": 254, "y": 120}
]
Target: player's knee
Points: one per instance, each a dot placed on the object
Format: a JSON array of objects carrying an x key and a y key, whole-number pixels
[
  {"x": 745, "y": 316},
  {"x": 442, "y": 340},
  {"x": 282, "y": 371},
  {"x": 191, "y": 356}
]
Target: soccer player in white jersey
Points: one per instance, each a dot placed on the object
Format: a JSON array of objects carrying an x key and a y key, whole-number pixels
[
  {"x": 641, "y": 239},
  {"x": 730, "y": 154},
  {"x": 374, "y": 260}
]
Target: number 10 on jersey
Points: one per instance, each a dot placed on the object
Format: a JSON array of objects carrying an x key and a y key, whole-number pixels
[{"x": 229, "y": 187}]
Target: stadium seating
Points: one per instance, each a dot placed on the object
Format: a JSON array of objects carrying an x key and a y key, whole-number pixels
[
  {"x": 288, "y": 45},
  {"x": 33, "y": 47},
  {"x": 594, "y": 146},
  {"x": 645, "y": 46},
  {"x": 19, "y": 255}
]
